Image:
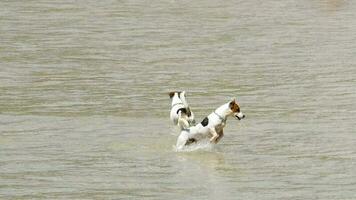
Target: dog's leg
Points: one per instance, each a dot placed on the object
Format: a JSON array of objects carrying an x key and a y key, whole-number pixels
[
  {"x": 182, "y": 140},
  {"x": 221, "y": 134},
  {"x": 191, "y": 119},
  {"x": 215, "y": 135},
  {"x": 182, "y": 122}
]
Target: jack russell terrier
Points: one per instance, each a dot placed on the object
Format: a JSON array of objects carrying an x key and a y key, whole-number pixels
[
  {"x": 181, "y": 114},
  {"x": 211, "y": 127}
]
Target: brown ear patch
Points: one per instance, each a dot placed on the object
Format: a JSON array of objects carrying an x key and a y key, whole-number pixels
[
  {"x": 171, "y": 95},
  {"x": 234, "y": 106}
]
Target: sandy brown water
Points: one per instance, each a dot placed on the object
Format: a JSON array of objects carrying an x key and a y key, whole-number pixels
[{"x": 84, "y": 110}]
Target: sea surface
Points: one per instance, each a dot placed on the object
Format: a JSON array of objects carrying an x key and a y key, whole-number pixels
[{"x": 84, "y": 106}]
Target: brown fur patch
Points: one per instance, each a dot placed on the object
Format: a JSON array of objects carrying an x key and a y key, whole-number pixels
[
  {"x": 190, "y": 141},
  {"x": 183, "y": 110},
  {"x": 189, "y": 113},
  {"x": 171, "y": 94},
  {"x": 234, "y": 106}
]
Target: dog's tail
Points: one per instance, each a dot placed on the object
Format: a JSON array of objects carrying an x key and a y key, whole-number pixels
[{"x": 182, "y": 97}]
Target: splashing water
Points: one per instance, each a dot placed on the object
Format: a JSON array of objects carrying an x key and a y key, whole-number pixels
[{"x": 201, "y": 145}]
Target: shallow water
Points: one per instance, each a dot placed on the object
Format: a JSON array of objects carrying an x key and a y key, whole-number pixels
[{"x": 84, "y": 110}]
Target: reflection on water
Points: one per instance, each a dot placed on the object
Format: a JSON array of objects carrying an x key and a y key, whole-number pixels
[
  {"x": 335, "y": 4},
  {"x": 84, "y": 105}
]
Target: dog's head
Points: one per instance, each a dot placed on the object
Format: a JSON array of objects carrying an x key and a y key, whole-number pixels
[
  {"x": 235, "y": 108},
  {"x": 171, "y": 94}
]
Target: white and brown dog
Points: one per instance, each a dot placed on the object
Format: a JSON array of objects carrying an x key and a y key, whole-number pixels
[
  {"x": 181, "y": 114},
  {"x": 211, "y": 127}
]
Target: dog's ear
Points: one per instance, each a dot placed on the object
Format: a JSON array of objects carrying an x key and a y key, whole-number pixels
[
  {"x": 171, "y": 94},
  {"x": 232, "y": 103},
  {"x": 234, "y": 106}
]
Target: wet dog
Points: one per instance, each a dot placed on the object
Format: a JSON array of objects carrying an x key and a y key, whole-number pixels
[
  {"x": 211, "y": 127},
  {"x": 181, "y": 114}
]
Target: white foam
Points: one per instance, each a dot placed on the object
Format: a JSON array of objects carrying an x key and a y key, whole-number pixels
[{"x": 203, "y": 145}]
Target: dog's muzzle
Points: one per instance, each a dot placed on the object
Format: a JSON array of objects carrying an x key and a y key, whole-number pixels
[{"x": 239, "y": 115}]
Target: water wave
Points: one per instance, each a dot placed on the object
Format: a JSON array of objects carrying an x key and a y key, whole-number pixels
[{"x": 202, "y": 145}]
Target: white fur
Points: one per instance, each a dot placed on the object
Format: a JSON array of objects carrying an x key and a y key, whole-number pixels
[
  {"x": 191, "y": 118},
  {"x": 213, "y": 130},
  {"x": 180, "y": 119}
]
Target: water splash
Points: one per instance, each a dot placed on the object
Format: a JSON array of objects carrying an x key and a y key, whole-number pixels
[{"x": 202, "y": 145}]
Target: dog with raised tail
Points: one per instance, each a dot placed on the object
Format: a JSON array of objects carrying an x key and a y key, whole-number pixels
[
  {"x": 181, "y": 114},
  {"x": 211, "y": 127}
]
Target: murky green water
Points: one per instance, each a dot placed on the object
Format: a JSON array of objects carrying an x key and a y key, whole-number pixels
[{"x": 84, "y": 110}]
